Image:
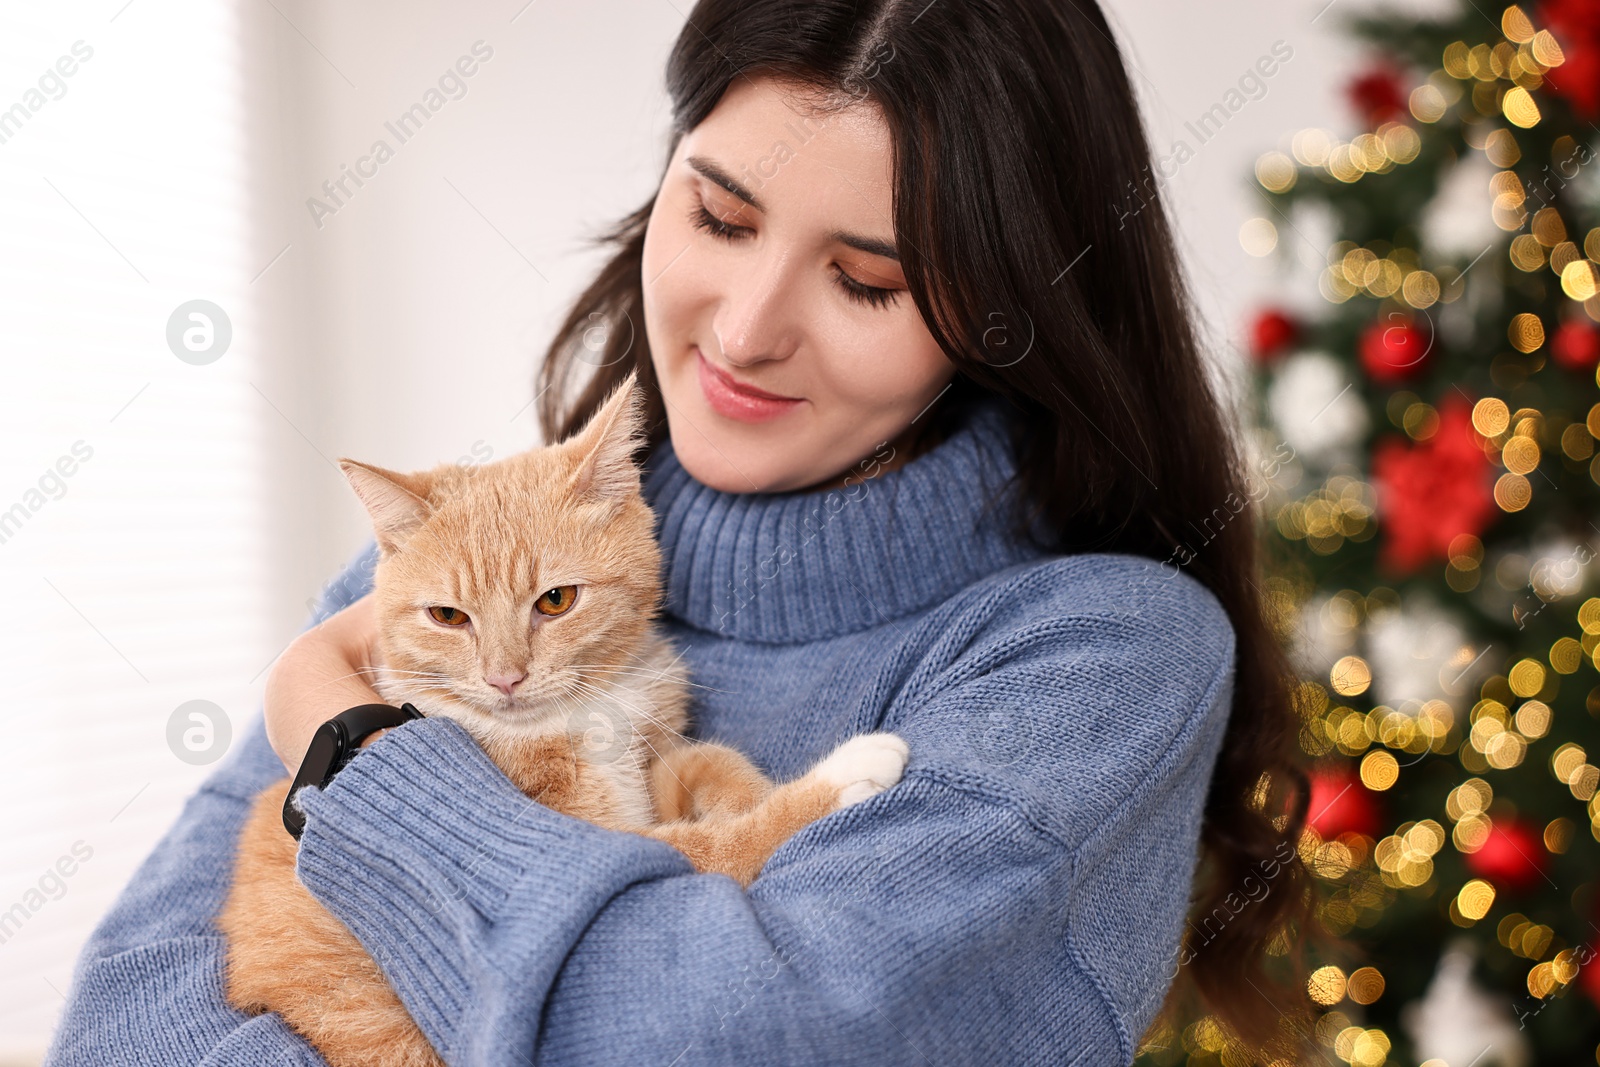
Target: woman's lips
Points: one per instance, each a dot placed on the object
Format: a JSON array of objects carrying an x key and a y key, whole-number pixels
[{"x": 734, "y": 401}]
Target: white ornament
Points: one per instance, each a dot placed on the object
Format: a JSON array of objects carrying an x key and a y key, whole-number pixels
[
  {"x": 1417, "y": 652},
  {"x": 1318, "y": 642},
  {"x": 1456, "y": 1022},
  {"x": 1559, "y": 568},
  {"x": 1459, "y": 220},
  {"x": 1317, "y": 409}
]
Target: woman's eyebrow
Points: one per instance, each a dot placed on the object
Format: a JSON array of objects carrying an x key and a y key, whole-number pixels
[
  {"x": 715, "y": 173},
  {"x": 712, "y": 172},
  {"x": 872, "y": 246}
]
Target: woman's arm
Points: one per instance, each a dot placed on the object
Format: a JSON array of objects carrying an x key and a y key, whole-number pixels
[
  {"x": 147, "y": 988},
  {"x": 1000, "y": 905},
  {"x": 322, "y": 672}
]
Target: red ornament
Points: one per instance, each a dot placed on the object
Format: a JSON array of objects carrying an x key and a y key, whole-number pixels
[
  {"x": 1377, "y": 95},
  {"x": 1576, "y": 346},
  {"x": 1395, "y": 348},
  {"x": 1513, "y": 857},
  {"x": 1340, "y": 804},
  {"x": 1272, "y": 334},
  {"x": 1576, "y": 27},
  {"x": 1432, "y": 491}
]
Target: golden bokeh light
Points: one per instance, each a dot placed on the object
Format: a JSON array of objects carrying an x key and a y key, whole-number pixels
[
  {"x": 1491, "y": 417},
  {"x": 1276, "y": 172},
  {"x": 1526, "y": 678},
  {"x": 1428, "y": 103},
  {"x": 1548, "y": 227},
  {"x": 1566, "y": 655},
  {"x": 1475, "y": 899},
  {"x": 1526, "y": 332},
  {"x": 1350, "y": 676},
  {"x": 1379, "y": 770},
  {"x": 1516, "y": 25},
  {"x": 1326, "y": 985},
  {"x": 1258, "y": 236},
  {"x": 1520, "y": 455},
  {"x": 1519, "y": 107},
  {"x": 1578, "y": 280},
  {"x": 1512, "y": 492},
  {"x": 1527, "y": 254},
  {"x": 1365, "y": 985},
  {"x": 1546, "y": 50},
  {"x": 1533, "y": 718}
]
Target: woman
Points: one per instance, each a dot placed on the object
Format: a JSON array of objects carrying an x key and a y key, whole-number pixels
[{"x": 927, "y": 411}]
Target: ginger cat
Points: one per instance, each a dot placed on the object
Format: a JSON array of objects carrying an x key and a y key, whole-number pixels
[{"x": 519, "y": 599}]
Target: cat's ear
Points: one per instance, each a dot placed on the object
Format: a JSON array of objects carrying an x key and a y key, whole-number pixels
[
  {"x": 397, "y": 503},
  {"x": 606, "y": 444}
]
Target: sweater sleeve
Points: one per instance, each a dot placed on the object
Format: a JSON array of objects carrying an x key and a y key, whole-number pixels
[
  {"x": 147, "y": 987},
  {"x": 1017, "y": 898}
]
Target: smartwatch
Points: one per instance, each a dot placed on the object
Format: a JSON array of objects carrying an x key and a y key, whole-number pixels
[{"x": 335, "y": 744}]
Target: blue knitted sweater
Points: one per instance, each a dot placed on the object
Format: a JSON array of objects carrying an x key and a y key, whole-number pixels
[{"x": 1016, "y": 899}]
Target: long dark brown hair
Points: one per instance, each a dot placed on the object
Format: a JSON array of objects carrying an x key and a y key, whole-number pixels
[{"x": 1043, "y": 264}]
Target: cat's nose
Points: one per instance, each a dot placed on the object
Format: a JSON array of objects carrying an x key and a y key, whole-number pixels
[{"x": 506, "y": 681}]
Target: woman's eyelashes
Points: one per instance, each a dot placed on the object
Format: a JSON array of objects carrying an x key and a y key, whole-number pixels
[{"x": 703, "y": 219}]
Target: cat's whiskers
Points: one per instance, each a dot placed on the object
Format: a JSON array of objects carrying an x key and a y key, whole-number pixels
[
  {"x": 640, "y": 666},
  {"x": 397, "y": 670},
  {"x": 643, "y": 736},
  {"x": 643, "y": 714},
  {"x": 612, "y": 695},
  {"x": 561, "y": 700},
  {"x": 653, "y": 673}
]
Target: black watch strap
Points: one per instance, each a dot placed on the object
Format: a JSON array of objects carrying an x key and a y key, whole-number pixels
[{"x": 335, "y": 744}]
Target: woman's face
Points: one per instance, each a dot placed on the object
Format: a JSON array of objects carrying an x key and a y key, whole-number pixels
[{"x": 770, "y": 265}]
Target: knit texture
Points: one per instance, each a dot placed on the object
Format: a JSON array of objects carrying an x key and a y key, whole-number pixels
[{"x": 1017, "y": 898}]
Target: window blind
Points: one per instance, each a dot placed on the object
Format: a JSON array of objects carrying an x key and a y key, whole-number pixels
[{"x": 133, "y": 540}]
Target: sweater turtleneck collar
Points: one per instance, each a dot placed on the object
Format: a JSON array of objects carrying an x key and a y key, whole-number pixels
[{"x": 782, "y": 568}]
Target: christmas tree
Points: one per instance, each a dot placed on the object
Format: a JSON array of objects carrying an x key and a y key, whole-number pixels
[{"x": 1433, "y": 537}]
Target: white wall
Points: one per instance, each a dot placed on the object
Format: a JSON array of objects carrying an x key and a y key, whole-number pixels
[
  {"x": 403, "y": 330},
  {"x": 1183, "y": 58}
]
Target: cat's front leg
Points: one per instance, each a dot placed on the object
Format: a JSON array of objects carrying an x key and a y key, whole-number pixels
[
  {"x": 740, "y": 845},
  {"x": 862, "y": 767},
  {"x": 701, "y": 779}
]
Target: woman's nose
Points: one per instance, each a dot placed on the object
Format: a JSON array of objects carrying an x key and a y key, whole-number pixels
[{"x": 756, "y": 320}]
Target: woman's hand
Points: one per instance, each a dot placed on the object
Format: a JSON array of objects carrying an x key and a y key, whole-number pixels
[{"x": 323, "y": 672}]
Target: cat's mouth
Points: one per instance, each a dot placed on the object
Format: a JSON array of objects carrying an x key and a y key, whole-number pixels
[
  {"x": 520, "y": 709},
  {"x": 450, "y": 702}
]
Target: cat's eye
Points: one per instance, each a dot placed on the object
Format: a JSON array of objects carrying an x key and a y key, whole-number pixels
[
  {"x": 448, "y": 616},
  {"x": 556, "y": 601}
]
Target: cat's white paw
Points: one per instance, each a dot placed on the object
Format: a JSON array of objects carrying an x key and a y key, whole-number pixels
[{"x": 864, "y": 766}]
